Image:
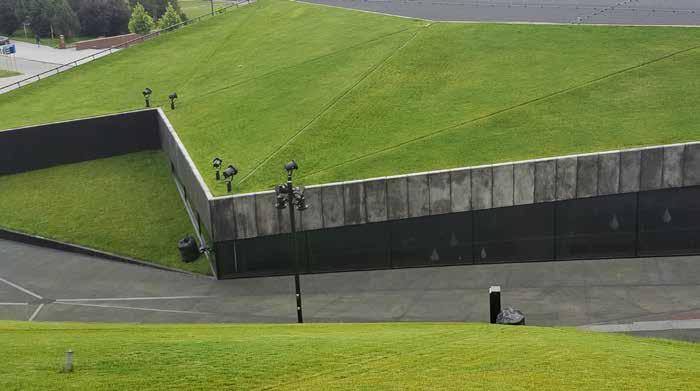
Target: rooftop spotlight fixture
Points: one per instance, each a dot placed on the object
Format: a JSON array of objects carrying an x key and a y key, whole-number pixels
[
  {"x": 229, "y": 173},
  {"x": 172, "y": 97},
  {"x": 290, "y": 167},
  {"x": 147, "y": 96},
  {"x": 216, "y": 163}
]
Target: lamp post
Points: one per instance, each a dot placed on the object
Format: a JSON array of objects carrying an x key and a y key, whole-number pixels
[
  {"x": 172, "y": 98},
  {"x": 292, "y": 197},
  {"x": 212, "y": 7},
  {"x": 147, "y": 96}
]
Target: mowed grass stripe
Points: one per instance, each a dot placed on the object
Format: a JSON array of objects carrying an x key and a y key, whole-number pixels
[
  {"x": 454, "y": 73},
  {"x": 501, "y": 111},
  {"x": 332, "y": 103},
  {"x": 626, "y": 111}
]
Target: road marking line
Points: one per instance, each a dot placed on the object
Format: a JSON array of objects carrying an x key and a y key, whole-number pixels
[
  {"x": 134, "y": 308},
  {"x": 36, "y": 312},
  {"x": 659, "y": 325},
  {"x": 134, "y": 298},
  {"x": 20, "y": 288},
  {"x": 14, "y": 303}
]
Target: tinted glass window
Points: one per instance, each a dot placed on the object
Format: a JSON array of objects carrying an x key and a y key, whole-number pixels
[
  {"x": 520, "y": 233},
  {"x": 434, "y": 240},
  {"x": 669, "y": 221},
  {"x": 349, "y": 248},
  {"x": 267, "y": 255},
  {"x": 597, "y": 227}
]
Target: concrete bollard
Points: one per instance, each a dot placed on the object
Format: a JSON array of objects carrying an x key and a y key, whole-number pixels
[{"x": 68, "y": 365}]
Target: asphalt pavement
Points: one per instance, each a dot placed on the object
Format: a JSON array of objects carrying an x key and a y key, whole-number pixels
[
  {"x": 622, "y": 12},
  {"x": 40, "y": 284}
]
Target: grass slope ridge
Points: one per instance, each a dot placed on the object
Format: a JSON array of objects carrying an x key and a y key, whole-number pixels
[
  {"x": 354, "y": 95},
  {"x": 335, "y": 356}
]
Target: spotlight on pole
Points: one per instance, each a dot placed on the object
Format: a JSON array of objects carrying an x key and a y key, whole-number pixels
[
  {"x": 217, "y": 166},
  {"x": 172, "y": 97},
  {"x": 147, "y": 96},
  {"x": 229, "y": 173}
]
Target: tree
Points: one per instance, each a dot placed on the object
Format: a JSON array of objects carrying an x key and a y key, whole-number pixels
[
  {"x": 48, "y": 16},
  {"x": 103, "y": 17},
  {"x": 169, "y": 18},
  {"x": 140, "y": 22},
  {"x": 9, "y": 23},
  {"x": 156, "y": 8}
]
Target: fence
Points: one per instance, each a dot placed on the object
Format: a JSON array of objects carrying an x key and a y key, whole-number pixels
[{"x": 143, "y": 38}]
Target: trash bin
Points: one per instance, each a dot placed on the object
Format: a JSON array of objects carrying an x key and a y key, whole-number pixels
[{"x": 189, "y": 252}]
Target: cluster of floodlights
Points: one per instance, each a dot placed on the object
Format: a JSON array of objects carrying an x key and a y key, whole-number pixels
[
  {"x": 228, "y": 173},
  {"x": 288, "y": 194},
  {"x": 147, "y": 97}
]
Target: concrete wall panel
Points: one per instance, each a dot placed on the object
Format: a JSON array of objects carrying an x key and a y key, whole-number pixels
[
  {"x": 376, "y": 200},
  {"x": 609, "y": 173},
  {"x": 440, "y": 193},
  {"x": 354, "y": 195},
  {"x": 245, "y": 218},
  {"x": 587, "y": 178},
  {"x": 524, "y": 183},
  {"x": 545, "y": 181},
  {"x": 651, "y": 169},
  {"x": 630, "y": 171},
  {"x": 333, "y": 207},
  {"x": 418, "y": 195},
  {"x": 397, "y": 195},
  {"x": 567, "y": 174},
  {"x": 461, "y": 190},
  {"x": 482, "y": 188},
  {"x": 503, "y": 183},
  {"x": 312, "y": 218},
  {"x": 267, "y": 218},
  {"x": 691, "y": 165},
  {"x": 673, "y": 166}
]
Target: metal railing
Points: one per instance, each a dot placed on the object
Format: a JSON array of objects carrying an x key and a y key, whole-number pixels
[{"x": 123, "y": 45}]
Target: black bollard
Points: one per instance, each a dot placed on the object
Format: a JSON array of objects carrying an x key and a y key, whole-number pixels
[{"x": 495, "y": 302}]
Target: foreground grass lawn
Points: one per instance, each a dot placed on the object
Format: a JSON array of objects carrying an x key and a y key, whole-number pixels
[
  {"x": 354, "y": 95},
  {"x": 335, "y": 356},
  {"x": 127, "y": 205}
]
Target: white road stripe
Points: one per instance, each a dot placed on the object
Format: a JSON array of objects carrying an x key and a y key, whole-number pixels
[
  {"x": 14, "y": 303},
  {"x": 31, "y": 318},
  {"x": 659, "y": 325},
  {"x": 134, "y": 298},
  {"x": 20, "y": 288},
  {"x": 133, "y": 308}
]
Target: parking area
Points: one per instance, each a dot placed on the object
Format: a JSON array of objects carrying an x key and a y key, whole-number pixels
[
  {"x": 623, "y": 12},
  {"x": 40, "y": 284}
]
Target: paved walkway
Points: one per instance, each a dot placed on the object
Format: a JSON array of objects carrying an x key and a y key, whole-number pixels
[
  {"x": 32, "y": 60},
  {"x": 47, "y": 285},
  {"x": 624, "y": 12}
]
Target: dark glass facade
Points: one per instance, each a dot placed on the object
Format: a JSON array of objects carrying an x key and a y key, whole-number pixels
[{"x": 662, "y": 222}]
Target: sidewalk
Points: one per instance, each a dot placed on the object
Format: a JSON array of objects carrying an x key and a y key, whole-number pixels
[{"x": 32, "y": 60}]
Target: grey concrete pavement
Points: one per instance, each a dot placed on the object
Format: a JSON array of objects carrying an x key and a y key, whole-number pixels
[
  {"x": 573, "y": 293},
  {"x": 32, "y": 60},
  {"x": 625, "y": 12}
]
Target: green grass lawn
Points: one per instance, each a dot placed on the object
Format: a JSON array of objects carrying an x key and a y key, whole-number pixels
[
  {"x": 127, "y": 205},
  {"x": 412, "y": 356},
  {"x": 354, "y": 95},
  {"x": 4, "y": 73},
  {"x": 194, "y": 8}
]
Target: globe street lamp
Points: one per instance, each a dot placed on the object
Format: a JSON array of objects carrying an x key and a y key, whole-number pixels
[{"x": 292, "y": 197}]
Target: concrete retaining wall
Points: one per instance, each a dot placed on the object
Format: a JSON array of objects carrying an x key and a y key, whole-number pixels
[
  {"x": 36, "y": 147},
  {"x": 473, "y": 188},
  {"x": 196, "y": 192}
]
